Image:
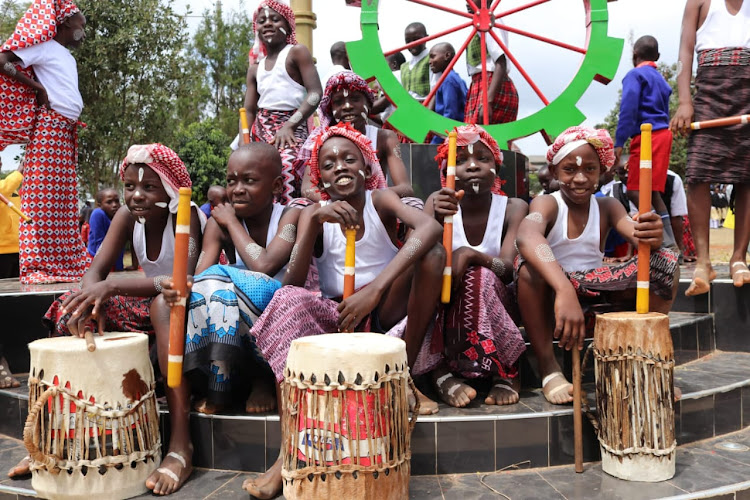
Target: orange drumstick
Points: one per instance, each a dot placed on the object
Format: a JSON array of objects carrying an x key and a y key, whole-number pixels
[
  {"x": 351, "y": 239},
  {"x": 179, "y": 282},
  {"x": 17, "y": 210},
  {"x": 721, "y": 122},
  {"x": 450, "y": 182},
  {"x": 245, "y": 126},
  {"x": 644, "y": 205}
]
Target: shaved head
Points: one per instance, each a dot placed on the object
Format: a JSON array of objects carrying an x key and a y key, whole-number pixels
[
  {"x": 646, "y": 48},
  {"x": 259, "y": 153}
]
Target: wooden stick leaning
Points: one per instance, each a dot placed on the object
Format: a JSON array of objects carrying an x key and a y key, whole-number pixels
[
  {"x": 245, "y": 126},
  {"x": 179, "y": 283},
  {"x": 577, "y": 415},
  {"x": 721, "y": 122},
  {"x": 644, "y": 206},
  {"x": 17, "y": 210},
  {"x": 351, "y": 240},
  {"x": 450, "y": 182},
  {"x": 89, "y": 336}
]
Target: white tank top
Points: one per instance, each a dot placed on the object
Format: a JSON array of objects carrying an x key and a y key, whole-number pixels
[
  {"x": 164, "y": 263},
  {"x": 277, "y": 90},
  {"x": 273, "y": 227},
  {"x": 493, "y": 233},
  {"x": 581, "y": 253},
  {"x": 371, "y": 132},
  {"x": 721, "y": 29},
  {"x": 373, "y": 253}
]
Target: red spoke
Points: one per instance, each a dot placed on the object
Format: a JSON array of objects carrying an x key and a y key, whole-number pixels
[
  {"x": 449, "y": 68},
  {"x": 473, "y": 5},
  {"x": 428, "y": 38},
  {"x": 485, "y": 89},
  {"x": 440, "y": 7},
  {"x": 494, "y": 5},
  {"x": 520, "y": 8},
  {"x": 519, "y": 67},
  {"x": 541, "y": 38}
]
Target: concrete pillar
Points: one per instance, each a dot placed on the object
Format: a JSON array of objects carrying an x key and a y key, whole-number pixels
[{"x": 305, "y": 17}]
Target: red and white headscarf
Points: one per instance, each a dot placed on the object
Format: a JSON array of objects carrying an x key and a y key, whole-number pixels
[
  {"x": 575, "y": 137},
  {"x": 167, "y": 165},
  {"x": 259, "y": 50},
  {"x": 471, "y": 134},
  {"x": 39, "y": 23},
  {"x": 360, "y": 140}
]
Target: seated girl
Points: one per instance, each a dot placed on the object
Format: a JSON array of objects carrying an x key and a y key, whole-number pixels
[
  {"x": 478, "y": 336},
  {"x": 560, "y": 271}
]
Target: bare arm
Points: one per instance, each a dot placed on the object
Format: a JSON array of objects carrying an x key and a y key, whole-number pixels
[
  {"x": 213, "y": 242},
  {"x": 648, "y": 227},
  {"x": 251, "y": 95},
  {"x": 395, "y": 164},
  {"x": 308, "y": 190},
  {"x": 309, "y": 229},
  {"x": 8, "y": 62},
  {"x": 684, "y": 114}
]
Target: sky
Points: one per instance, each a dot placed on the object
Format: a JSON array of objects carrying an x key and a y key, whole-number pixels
[{"x": 552, "y": 68}]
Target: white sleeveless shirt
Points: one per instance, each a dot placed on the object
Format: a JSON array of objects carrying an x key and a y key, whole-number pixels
[
  {"x": 722, "y": 29},
  {"x": 581, "y": 253},
  {"x": 273, "y": 228},
  {"x": 371, "y": 132},
  {"x": 164, "y": 263},
  {"x": 493, "y": 233},
  {"x": 277, "y": 90},
  {"x": 373, "y": 253}
]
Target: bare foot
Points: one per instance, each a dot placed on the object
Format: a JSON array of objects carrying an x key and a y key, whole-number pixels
[
  {"x": 262, "y": 397},
  {"x": 738, "y": 271},
  {"x": 267, "y": 485},
  {"x": 689, "y": 258},
  {"x": 503, "y": 392},
  {"x": 452, "y": 389},
  {"x": 426, "y": 405},
  {"x": 21, "y": 469},
  {"x": 702, "y": 278},
  {"x": 557, "y": 390},
  {"x": 203, "y": 406},
  {"x": 7, "y": 380},
  {"x": 677, "y": 394},
  {"x": 174, "y": 471}
]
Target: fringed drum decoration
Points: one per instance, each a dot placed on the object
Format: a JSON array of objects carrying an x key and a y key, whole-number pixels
[
  {"x": 93, "y": 424},
  {"x": 634, "y": 364},
  {"x": 346, "y": 429}
]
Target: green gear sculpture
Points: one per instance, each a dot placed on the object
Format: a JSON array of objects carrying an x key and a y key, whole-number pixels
[{"x": 411, "y": 118}]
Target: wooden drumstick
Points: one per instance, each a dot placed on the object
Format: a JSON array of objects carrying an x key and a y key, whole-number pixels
[
  {"x": 179, "y": 283},
  {"x": 89, "y": 336},
  {"x": 17, "y": 210},
  {"x": 351, "y": 240},
  {"x": 721, "y": 122},
  {"x": 450, "y": 182},
  {"x": 577, "y": 417},
  {"x": 644, "y": 206},
  {"x": 245, "y": 126}
]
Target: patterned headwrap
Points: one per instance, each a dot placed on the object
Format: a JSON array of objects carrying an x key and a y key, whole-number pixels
[
  {"x": 360, "y": 140},
  {"x": 39, "y": 23},
  {"x": 348, "y": 80},
  {"x": 165, "y": 163},
  {"x": 259, "y": 50},
  {"x": 470, "y": 134},
  {"x": 575, "y": 137}
]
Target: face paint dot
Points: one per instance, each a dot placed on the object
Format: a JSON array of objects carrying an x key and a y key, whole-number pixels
[
  {"x": 475, "y": 187},
  {"x": 346, "y": 92},
  {"x": 579, "y": 160},
  {"x": 470, "y": 149},
  {"x": 326, "y": 185},
  {"x": 335, "y": 150},
  {"x": 140, "y": 174},
  {"x": 142, "y": 220},
  {"x": 161, "y": 204},
  {"x": 137, "y": 193}
]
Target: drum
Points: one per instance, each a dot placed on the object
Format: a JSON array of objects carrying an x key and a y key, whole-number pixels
[
  {"x": 346, "y": 428},
  {"x": 634, "y": 364},
  {"x": 93, "y": 424}
]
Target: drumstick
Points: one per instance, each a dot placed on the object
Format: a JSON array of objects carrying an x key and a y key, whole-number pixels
[
  {"x": 577, "y": 417},
  {"x": 644, "y": 205},
  {"x": 179, "y": 283},
  {"x": 351, "y": 239},
  {"x": 17, "y": 210},
  {"x": 721, "y": 122},
  {"x": 450, "y": 182},
  {"x": 245, "y": 126},
  {"x": 89, "y": 336}
]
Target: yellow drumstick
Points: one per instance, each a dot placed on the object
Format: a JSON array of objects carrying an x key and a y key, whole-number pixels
[
  {"x": 179, "y": 282},
  {"x": 245, "y": 126},
  {"x": 450, "y": 182},
  {"x": 17, "y": 210},
  {"x": 644, "y": 206}
]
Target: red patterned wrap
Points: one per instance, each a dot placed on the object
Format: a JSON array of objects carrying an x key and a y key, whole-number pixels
[
  {"x": 259, "y": 50},
  {"x": 39, "y": 23},
  {"x": 471, "y": 134},
  {"x": 598, "y": 138},
  {"x": 364, "y": 144}
]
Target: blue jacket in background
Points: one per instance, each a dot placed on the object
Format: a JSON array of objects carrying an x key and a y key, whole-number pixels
[
  {"x": 450, "y": 100},
  {"x": 645, "y": 99},
  {"x": 98, "y": 227}
]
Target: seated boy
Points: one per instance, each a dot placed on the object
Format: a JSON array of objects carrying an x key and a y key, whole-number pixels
[
  {"x": 108, "y": 203},
  {"x": 215, "y": 195},
  {"x": 478, "y": 335},
  {"x": 560, "y": 246},
  {"x": 450, "y": 97}
]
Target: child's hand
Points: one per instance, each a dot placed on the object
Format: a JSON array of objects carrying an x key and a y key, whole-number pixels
[
  {"x": 570, "y": 325},
  {"x": 356, "y": 308},
  {"x": 284, "y": 137},
  {"x": 446, "y": 202},
  {"x": 224, "y": 214},
  {"x": 338, "y": 212},
  {"x": 172, "y": 296},
  {"x": 84, "y": 305},
  {"x": 649, "y": 229},
  {"x": 680, "y": 123}
]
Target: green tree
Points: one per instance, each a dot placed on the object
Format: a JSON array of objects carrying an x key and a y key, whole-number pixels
[
  {"x": 204, "y": 148},
  {"x": 10, "y": 12}
]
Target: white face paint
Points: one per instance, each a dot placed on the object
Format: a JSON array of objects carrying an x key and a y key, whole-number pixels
[
  {"x": 364, "y": 115},
  {"x": 470, "y": 149},
  {"x": 579, "y": 160},
  {"x": 267, "y": 12},
  {"x": 472, "y": 164},
  {"x": 161, "y": 204},
  {"x": 346, "y": 93},
  {"x": 283, "y": 30},
  {"x": 142, "y": 220},
  {"x": 494, "y": 172},
  {"x": 78, "y": 35},
  {"x": 335, "y": 112},
  {"x": 137, "y": 193},
  {"x": 362, "y": 173},
  {"x": 140, "y": 174},
  {"x": 367, "y": 110},
  {"x": 326, "y": 185},
  {"x": 335, "y": 150},
  {"x": 475, "y": 187}
]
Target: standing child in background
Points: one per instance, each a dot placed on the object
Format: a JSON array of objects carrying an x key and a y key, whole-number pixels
[
  {"x": 450, "y": 98},
  {"x": 479, "y": 336},
  {"x": 340, "y": 60},
  {"x": 9, "y": 222},
  {"x": 561, "y": 258},
  {"x": 108, "y": 203},
  {"x": 415, "y": 73},
  {"x": 216, "y": 195},
  {"x": 280, "y": 75},
  {"x": 389, "y": 282},
  {"x": 645, "y": 99}
]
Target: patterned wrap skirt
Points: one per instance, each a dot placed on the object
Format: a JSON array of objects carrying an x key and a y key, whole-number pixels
[
  {"x": 121, "y": 314},
  {"x": 503, "y": 108}
]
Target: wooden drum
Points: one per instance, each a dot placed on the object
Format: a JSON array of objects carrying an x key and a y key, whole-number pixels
[
  {"x": 634, "y": 364},
  {"x": 93, "y": 424},
  {"x": 346, "y": 428}
]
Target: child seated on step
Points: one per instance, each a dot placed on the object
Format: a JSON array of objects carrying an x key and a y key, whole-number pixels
[
  {"x": 560, "y": 271},
  {"x": 107, "y": 205},
  {"x": 476, "y": 332},
  {"x": 391, "y": 280}
]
